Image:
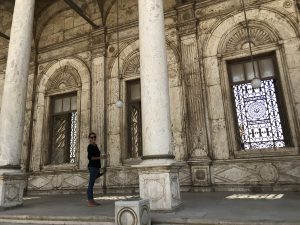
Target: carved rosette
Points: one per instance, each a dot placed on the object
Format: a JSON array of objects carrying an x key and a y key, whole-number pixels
[
  {"x": 268, "y": 173},
  {"x": 200, "y": 175},
  {"x": 132, "y": 212}
]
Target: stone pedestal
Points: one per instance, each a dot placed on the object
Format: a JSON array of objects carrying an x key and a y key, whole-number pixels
[
  {"x": 160, "y": 184},
  {"x": 12, "y": 183},
  {"x": 132, "y": 212}
]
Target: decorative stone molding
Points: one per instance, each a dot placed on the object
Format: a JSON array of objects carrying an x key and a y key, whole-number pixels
[
  {"x": 251, "y": 172},
  {"x": 50, "y": 181},
  {"x": 287, "y": 4},
  {"x": 66, "y": 77},
  {"x": 201, "y": 175},
  {"x": 238, "y": 38},
  {"x": 132, "y": 212}
]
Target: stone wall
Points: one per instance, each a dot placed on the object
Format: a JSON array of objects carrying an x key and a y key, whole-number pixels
[{"x": 201, "y": 37}]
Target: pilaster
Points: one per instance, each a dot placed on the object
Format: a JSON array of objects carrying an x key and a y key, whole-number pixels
[
  {"x": 193, "y": 82},
  {"x": 98, "y": 86}
]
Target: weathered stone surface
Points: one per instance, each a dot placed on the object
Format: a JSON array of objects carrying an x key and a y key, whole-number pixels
[{"x": 200, "y": 38}]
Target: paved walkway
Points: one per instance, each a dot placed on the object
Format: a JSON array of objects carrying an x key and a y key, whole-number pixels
[{"x": 198, "y": 208}]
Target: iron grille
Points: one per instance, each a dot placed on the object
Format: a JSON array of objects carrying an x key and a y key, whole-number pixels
[
  {"x": 135, "y": 134},
  {"x": 134, "y": 119},
  {"x": 60, "y": 127},
  {"x": 73, "y": 137},
  {"x": 258, "y": 117}
]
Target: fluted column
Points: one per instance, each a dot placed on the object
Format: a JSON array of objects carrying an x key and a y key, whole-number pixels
[
  {"x": 13, "y": 103},
  {"x": 158, "y": 178}
]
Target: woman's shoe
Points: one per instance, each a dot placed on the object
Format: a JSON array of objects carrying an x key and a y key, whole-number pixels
[
  {"x": 96, "y": 203},
  {"x": 91, "y": 203}
]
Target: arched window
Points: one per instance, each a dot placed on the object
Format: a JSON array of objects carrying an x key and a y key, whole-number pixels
[{"x": 62, "y": 89}]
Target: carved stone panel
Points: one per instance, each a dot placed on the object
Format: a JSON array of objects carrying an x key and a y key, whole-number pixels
[
  {"x": 11, "y": 189},
  {"x": 201, "y": 175},
  {"x": 252, "y": 172},
  {"x": 161, "y": 188},
  {"x": 57, "y": 181}
]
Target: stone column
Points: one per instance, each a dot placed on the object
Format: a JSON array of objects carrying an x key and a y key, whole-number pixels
[
  {"x": 13, "y": 104},
  {"x": 158, "y": 173}
]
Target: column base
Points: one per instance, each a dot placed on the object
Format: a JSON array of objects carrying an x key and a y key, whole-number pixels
[
  {"x": 160, "y": 184},
  {"x": 12, "y": 183}
]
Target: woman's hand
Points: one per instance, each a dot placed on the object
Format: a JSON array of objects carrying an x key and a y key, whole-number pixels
[{"x": 103, "y": 156}]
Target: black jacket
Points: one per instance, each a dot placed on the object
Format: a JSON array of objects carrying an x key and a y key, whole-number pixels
[{"x": 93, "y": 151}]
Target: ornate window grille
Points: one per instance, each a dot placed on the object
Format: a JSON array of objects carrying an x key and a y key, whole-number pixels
[
  {"x": 134, "y": 119},
  {"x": 64, "y": 129},
  {"x": 258, "y": 111}
]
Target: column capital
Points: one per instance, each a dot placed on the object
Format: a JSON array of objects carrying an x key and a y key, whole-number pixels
[{"x": 187, "y": 22}]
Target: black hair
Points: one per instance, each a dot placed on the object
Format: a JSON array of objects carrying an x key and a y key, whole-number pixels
[{"x": 92, "y": 133}]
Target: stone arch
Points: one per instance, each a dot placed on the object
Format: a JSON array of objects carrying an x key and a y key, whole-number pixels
[
  {"x": 79, "y": 76},
  {"x": 128, "y": 9},
  {"x": 277, "y": 22},
  {"x": 126, "y": 54},
  {"x": 237, "y": 38},
  {"x": 5, "y": 26},
  {"x": 72, "y": 64},
  {"x": 44, "y": 18},
  {"x": 64, "y": 78},
  {"x": 129, "y": 68},
  {"x": 55, "y": 32}
]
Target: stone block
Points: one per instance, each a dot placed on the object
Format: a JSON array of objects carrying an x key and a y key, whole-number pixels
[
  {"x": 201, "y": 175},
  {"x": 132, "y": 212},
  {"x": 160, "y": 184},
  {"x": 12, "y": 184}
]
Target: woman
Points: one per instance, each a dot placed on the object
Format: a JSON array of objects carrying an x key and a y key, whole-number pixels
[{"x": 94, "y": 167}]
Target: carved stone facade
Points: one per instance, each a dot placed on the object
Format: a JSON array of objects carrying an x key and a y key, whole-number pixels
[{"x": 70, "y": 56}]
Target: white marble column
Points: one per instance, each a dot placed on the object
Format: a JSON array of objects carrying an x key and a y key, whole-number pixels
[
  {"x": 13, "y": 104},
  {"x": 154, "y": 79},
  {"x": 158, "y": 172}
]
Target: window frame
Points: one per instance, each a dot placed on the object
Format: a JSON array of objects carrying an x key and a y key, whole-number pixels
[
  {"x": 291, "y": 118},
  {"x": 129, "y": 102},
  {"x": 279, "y": 96},
  {"x": 51, "y": 115}
]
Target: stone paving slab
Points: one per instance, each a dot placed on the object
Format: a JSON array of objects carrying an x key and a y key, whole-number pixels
[{"x": 197, "y": 208}]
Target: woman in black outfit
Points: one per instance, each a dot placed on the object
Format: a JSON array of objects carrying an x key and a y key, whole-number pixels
[{"x": 94, "y": 167}]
